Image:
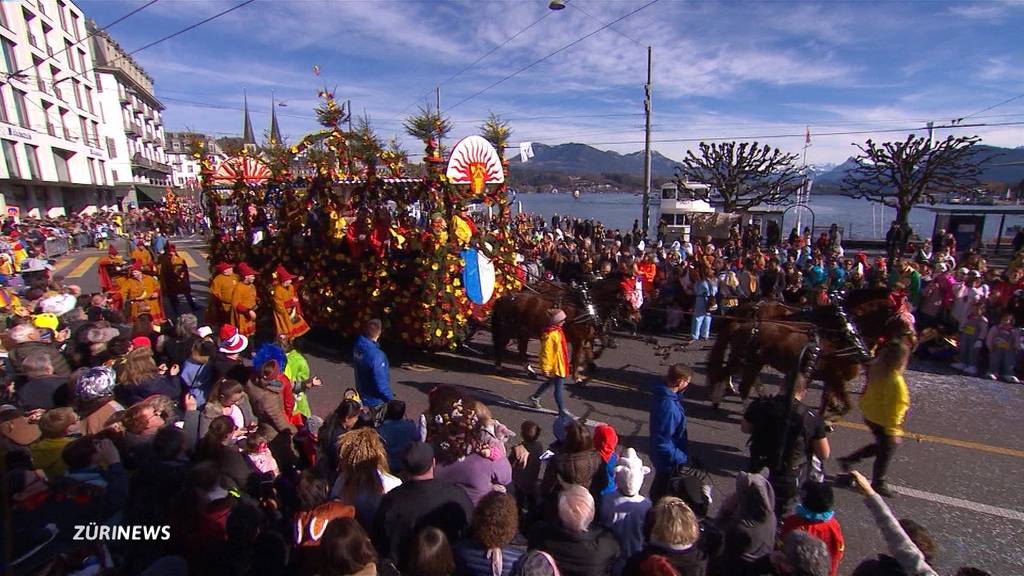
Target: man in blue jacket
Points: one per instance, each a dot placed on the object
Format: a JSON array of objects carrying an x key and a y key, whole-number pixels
[
  {"x": 669, "y": 444},
  {"x": 371, "y": 367}
]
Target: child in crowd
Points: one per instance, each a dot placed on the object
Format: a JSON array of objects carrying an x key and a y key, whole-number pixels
[
  {"x": 605, "y": 442},
  {"x": 1003, "y": 344},
  {"x": 973, "y": 331},
  {"x": 815, "y": 516},
  {"x": 397, "y": 432},
  {"x": 624, "y": 510},
  {"x": 525, "y": 459},
  {"x": 258, "y": 454},
  {"x": 494, "y": 433}
]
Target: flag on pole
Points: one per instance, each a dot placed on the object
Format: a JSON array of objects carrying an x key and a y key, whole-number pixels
[
  {"x": 525, "y": 151},
  {"x": 807, "y": 137}
]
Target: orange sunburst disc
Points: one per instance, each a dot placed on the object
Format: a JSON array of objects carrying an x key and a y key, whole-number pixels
[{"x": 476, "y": 163}]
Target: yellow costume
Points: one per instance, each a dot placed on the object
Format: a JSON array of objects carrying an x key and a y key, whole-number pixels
[
  {"x": 143, "y": 296},
  {"x": 218, "y": 311},
  {"x": 287, "y": 313},
  {"x": 243, "y": 300},
  {"x": 144, "y": 257}
]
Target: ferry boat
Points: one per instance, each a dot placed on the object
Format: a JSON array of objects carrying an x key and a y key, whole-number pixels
[{"x": 680, "y": 209}]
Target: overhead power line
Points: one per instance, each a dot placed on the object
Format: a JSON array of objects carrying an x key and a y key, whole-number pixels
[
  {"x": 88, "y": 36},
  {"x": 983, "y": 110},
  {"x": 542, "y": 59},
  {"x": 166, "y": 38}
]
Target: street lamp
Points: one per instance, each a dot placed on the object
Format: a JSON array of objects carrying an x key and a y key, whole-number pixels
[{"x": 557, "y": 5}]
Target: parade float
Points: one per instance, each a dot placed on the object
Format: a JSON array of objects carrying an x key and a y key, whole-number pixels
[{"x": 338, "y": 209}]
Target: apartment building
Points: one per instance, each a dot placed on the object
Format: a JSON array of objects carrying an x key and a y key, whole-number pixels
[
  {"x": 133, "y": 124},
  {"x": 55, "y": 159},
  {"x": 185, "y": 170}
]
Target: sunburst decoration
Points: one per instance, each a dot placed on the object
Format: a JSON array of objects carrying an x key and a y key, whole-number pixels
[{"x": 475, "y": 162}]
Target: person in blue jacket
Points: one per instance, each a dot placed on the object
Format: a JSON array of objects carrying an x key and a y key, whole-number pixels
[
  {"x": 371, "y": 366},
  {"x": 669, "y": 443}
]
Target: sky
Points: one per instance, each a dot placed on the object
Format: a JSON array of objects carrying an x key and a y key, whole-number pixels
[{"x": 732, "y": 69}]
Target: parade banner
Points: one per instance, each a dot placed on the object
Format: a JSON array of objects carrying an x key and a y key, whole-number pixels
[{"x": 477, "y": 276}]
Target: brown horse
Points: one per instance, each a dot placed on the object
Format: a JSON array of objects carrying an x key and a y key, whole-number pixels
[
  {"x": 845, "y": 344},
  {"x": 589, "y": 312}
]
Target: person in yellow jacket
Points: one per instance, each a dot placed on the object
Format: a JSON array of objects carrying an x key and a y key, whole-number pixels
[
  {"x": 884, "y": 405},
  {"x": 218, "y": 309},
  {"x": 554, "y": 360},
  {"x": 143, "y": 256},
  {"x": 287, "y": 309},
  {"x": 243, "y": 301},
  {"x": 142, "y": 295}
]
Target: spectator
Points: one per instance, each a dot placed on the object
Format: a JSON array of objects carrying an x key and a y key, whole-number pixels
[
  {"x": 140, "y": 377},
  {"x": 673, "y": 534},
  {"x": 363, "y": 475},
  {"x": 491, "y": 550},
  {"x": 420, "y": 501},
  {"x": 346, "y": 550},
  {"x": 1003, "y": 343},
  {"x": 93, "y": 399},
  {"x": 57, "y": 427},
  {"x": 526, "y": 465},
  {"x": 747, "y": 523},
  {"x": 42, "y": 389},
  {"x": 801, "y": 555},
  {"x": 575, "y": 462},
  {"x": 973, "y": 333},
  {"x": 669, "y": 443},
  {"x": 431, "y": 555},
  {"x": 578, "y": 548},
  {"x": 397, "y": 432},
  {"x": 605, "y": 442},
  {"x": 815, "y": 515},
  {"x": 343, "y": 420},
  {"x": 26, "y": 340},
  {"x": 625, "y": 510}
]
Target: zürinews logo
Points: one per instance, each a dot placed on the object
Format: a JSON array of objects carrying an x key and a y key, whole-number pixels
[{"x": 94, "y": 532}]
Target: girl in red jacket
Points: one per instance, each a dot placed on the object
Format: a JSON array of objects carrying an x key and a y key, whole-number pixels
[{"x": 815, "y": 516}]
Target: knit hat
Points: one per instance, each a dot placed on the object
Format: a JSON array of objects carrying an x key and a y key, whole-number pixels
[
  {"x": 818, "y": 497},
  {"x": 605, "y": 441},
  {"x": 95, "y": 383},
  {"x": 141, "y": 342},
  {"x": 630, "y": 472},
  {"x": 555, "y": 315}
]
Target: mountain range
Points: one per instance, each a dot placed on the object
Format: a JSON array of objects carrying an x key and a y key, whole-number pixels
[{"x": 583, "y": 166}]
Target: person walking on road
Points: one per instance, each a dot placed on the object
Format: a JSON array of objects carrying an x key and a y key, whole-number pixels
[
  {"x": 371, "y": 365},
  {"x": 884, "y": 404},
  {"x": 554, "y": 360},
  {"x": 669, "y": 441}
]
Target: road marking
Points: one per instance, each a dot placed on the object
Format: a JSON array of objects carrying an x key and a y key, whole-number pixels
[
  {"x": 192, "y": 264},
  {"x": 417, "y": 367},
  {"x": 942, "y": 440},
  {"x": 960, "y": 503},
  {"x": 62, "y": 264},
  {"x": 609, "y": 384},
  {"x": 509, "y": 380},
  {"x": 83, "y": 267},
  {"x": 204, "y": 254}
]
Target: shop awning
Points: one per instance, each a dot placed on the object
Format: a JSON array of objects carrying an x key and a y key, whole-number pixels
[{"x": 150, "y": 193}]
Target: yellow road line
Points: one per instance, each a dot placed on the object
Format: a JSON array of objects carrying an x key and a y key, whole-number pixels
[
  {"x": 62, "y": 264},
  {"x": 943, "y": 440},
  {"x": 509, "y": 380},
  {"x": 192, "y": 266},
  {"x": 83, "y": 267}
]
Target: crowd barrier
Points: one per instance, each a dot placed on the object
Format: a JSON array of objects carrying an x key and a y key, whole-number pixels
[{"x": 56, "y": 247}]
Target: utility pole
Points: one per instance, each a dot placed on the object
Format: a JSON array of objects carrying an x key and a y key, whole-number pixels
[
  {"x": 647, "y": 148},
  {"x": 437, "y": 102}
]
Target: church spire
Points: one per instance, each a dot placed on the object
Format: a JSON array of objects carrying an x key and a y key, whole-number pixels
[
  {"x": 275, "y": 131},
  {"x": 247, "y": 133}
]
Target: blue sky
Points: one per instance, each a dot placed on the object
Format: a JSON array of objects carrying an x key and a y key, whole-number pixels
[{"x": 721, "y": 69}]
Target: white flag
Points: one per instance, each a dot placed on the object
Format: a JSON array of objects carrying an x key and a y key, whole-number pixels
[{"x": 525, "y": 151}]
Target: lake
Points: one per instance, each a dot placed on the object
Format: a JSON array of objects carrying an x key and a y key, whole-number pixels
[{"x": 860, "y": 219}]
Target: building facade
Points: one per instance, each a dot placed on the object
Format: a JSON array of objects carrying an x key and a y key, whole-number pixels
[
  {"x": 185, "y": 170},
  {"x": 56, "y": 160},
  {"x": 134, "y": 126}
]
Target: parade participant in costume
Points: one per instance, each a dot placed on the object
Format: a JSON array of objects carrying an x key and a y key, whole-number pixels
[
  {"x": 218, "y": 310},
  {"x": 554, "y": 359},
  {"x": 142, "y": 295},
  {"x": 243, "y": 301},
  {"x": 287, "y": 309},
  {"x": 111, "y": 270},
  {"x": 463, "y": 226},
  {"x": 143, "y": 256},
  {"x": 437, "y": 235},
  {"x": 174, "y": 278}
]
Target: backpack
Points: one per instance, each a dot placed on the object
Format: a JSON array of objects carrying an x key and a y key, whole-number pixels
[{"x": 692, "y": 484}]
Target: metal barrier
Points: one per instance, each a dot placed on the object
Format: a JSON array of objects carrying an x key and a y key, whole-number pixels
[{"x": 56, "y": 247}]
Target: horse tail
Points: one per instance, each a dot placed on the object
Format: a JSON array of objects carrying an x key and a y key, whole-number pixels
[{"x": 716, "y": 358}]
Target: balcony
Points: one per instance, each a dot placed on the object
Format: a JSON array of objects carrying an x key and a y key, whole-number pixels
[
  {"x": 143, "y": 162},
  {"x": 123, "y": 96},
  {"x": 133, "y": 129},
  {"x": 32, "y": 40}
]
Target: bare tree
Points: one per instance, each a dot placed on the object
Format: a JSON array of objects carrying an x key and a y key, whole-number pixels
[
  {"x": 903, "y": 174},
  {"x": 745, "y": 175}
]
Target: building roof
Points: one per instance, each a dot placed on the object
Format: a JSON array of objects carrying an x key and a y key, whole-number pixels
[
  {"x": 275, "y": 131},
  {"x": 248, "y": 136},
  {"x": 975, "y": 209}
]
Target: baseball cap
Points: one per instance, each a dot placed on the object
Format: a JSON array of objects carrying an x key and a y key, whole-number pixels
[{"x": 418, "y": 458}]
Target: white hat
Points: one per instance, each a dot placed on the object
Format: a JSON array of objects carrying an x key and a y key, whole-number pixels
[
  {"x": 60, "y": 304},
  {"x": 204, "y": 331}
]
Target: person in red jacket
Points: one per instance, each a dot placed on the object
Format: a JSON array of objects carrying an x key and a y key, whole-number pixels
[{"x": 815, "y": 516}]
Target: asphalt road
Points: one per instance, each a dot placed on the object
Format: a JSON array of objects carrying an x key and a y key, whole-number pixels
[{"x": 958, "y": 472}]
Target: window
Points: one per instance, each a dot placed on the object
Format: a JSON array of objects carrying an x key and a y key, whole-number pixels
[
  {"x": 20, "y": 108},
  {"x": 78, "y": 96},
  {"x": 111, "y": 148},
  {"x": 11, "y": 156},
  {"x": 115, "y": 175},
  {"x": 47, "y": 109},
  {"x": 60, "y": 12},
  {"x": 84, "y": 125},
  {"x": 103, "y": 172},
  {"x": 92, "y": 170},
  {"x": 70, "y": 55},
  {"x": 3, "y": 107},
  {"x": 81, "y": 60},
  {"x": 88, "y": 100},
  {"x": 95, "y": 134},
  {"x": 10, "y": 60},
  {"x": 60, "y": 161},
  {"x": 3, "y": 17},
  {"x": 32, "y": 154},
  {"x": 74, "y": 26}
]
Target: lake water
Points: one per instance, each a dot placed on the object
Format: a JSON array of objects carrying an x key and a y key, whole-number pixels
[{"x": 860, "y": 218}]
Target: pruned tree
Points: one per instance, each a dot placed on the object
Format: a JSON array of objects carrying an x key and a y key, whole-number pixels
[
  {"x": 497, "y": 131},
  {"x": 744, "y": 174},
  {"x": 903, "y": 174}
]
